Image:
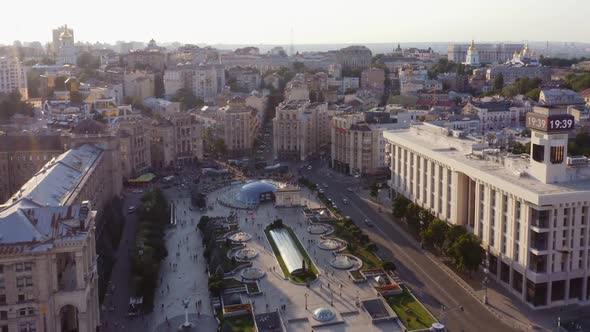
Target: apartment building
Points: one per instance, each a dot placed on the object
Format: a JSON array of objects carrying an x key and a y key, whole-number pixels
[
  {"x": 300, "y": 129},
  {"x": 357, "y": 143},
  {"x": 493, "y": 115},
  {"x": 138, "y": 85},
  {"x": 136, "y": 157},
  {"x": 21, "y": 156},
  {"x": 532, "y": 214},
  {"x": 48, "y": 265},
  {"x": 239, "y": 127},
  {"x": 175, "y": 139},
  {"x": 13, "y": 76}
]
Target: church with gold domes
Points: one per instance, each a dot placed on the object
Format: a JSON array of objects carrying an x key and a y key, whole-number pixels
[
  {"x": 526, "y": 57},
  {"x": 472, "y": 58},
  {"x": 66, "y": 52}
]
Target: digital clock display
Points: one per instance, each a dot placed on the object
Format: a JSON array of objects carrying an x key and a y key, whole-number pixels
[{"x": 550, "y": 123}]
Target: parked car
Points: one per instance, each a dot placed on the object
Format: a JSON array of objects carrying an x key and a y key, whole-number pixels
[
  {"x": 325, "y": 185},
  {"x": 345, "y": 200},
  {"x": 349, "y": 189},
  {"x": 368, "y": 222},
  {"x": 131, "y": 209}
]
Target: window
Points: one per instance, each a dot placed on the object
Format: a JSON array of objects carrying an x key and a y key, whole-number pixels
[
  {"x": 538, "y": 153},
  {"x": 2, "y": 299},
  {"x": 3, "y": 315},
  {"x": 28, "y": 266},
  {"x": 18, "y": 267},
  {"x": 1, "y": 283},
  {"x": 556, "y": 154}
]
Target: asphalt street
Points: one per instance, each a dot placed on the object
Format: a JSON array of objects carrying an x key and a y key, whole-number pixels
[{"x": 429, "y": 282}]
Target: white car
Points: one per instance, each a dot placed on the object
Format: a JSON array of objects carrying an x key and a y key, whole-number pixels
[
  {"x": 345, "y": 200},
  {"x": 131, "y": 209},
  {"x": 309, "y": 168},
  {"x": 137, "y": 191}
]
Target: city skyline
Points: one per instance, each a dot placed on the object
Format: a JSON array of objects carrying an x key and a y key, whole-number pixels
[{"x": 263, "y": 22}]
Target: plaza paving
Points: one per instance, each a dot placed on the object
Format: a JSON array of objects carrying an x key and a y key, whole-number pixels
[{"x": 183, "y": 275}]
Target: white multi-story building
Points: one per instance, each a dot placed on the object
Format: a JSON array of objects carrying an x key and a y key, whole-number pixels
[
  {"x": 494, "y": 115},
  {"x": 355, "y": 57},
  {"x": 13, "y": 76},
  {"x": 532, "y": 215},
  {"x": 205, "y": 80}
]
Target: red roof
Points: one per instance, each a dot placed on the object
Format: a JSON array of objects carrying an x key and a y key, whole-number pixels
[{"x": 585, "y": 93}]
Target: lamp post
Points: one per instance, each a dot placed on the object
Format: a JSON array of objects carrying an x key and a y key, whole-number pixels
[
  {"x": 186, "y": 323},
  {"x": 485, "y": 279},
  {"x": 331, "y": 297},
  {"x": 306, "y": 295}
]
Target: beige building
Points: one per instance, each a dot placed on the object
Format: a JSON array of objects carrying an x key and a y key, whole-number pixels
[
  {"x": 175, "y": 139},
  {"x": 21, "y": 156},
  {"x": 355, "y": 57},
  {"x": 48, "y": 258},
  {"x": 13, "y": 76},
  {"x": 300, "y": 129},
  {"x": 532, "y": 215},
  {"x": 52, "y": 280},
  {"x": 136, "y": 157},
  {"x": 240, "y": 126},
  {"x": 357, "y": 143},
  {"x": 138, "y": 85},
  {"x": 373, "y": 79},
  {"x": 288, "y": 196}
]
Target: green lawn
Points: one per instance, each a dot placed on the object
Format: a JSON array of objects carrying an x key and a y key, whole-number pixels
[
  {"x": 244, "y": 323},
  {"x": 410, "y": 312},
  {"x": 310, "y": 273}
]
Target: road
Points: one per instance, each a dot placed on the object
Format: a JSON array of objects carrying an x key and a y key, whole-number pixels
[{"x": 429, "y": 282}]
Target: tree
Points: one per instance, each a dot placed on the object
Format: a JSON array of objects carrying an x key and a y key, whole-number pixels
[
  {"x": 434, "y": 234},
  {"x": 451, "y": 236},
  {"x": 298, "y": 66},
  {"x": 159, "y": 86},
  {"x": 187, "y": 99},
  {"x": 467, "y": 253},
  {"x": 498, "y": 82},
  {"x": 87, "y": 60},
  {"x": 534, "y": 94},
  {"x": 99, "y": 117},
  {"x": 12, "y": 104},
  {"x": 388, "y": 265},
  {"x": 399, "y": 206}
]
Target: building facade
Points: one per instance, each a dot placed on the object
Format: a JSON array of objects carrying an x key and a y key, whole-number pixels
[
  {"x": 532, "y": 215},
  {"x": 21, "y": 156},
  {"x": 13, "y": 76},
  {"x": 66, "y": 51},
  {"x": 138, "y": 85},
  {"x": 494, "y": 115},
  {"x": 300, "y": 129},
  {"x": 175, "y": 139},
  {"x": 487, "y": 53},
  {"x": 136, "y": 157},
  {"x": 355, "y": 57}
]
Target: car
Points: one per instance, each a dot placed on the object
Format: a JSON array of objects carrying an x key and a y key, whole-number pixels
[
  {"x": 131, "y": 209},
  {"x": 321, "y": 191},
  {"x": 137, "y": 191},
  {"x": 349, "y": 189},
  {"x": 345, "y": 200},
  {"x": 325, "y": 185},
  {"x": 368, "y": 222},
  {"x": 309, "y": 168},
  {"x": 335, "y": 206}
]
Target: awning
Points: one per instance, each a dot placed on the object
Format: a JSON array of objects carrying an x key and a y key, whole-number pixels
[{"x": 144, "y": 178}]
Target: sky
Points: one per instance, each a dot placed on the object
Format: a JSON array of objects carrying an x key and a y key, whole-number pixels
[{"x": 312, "y": 21}]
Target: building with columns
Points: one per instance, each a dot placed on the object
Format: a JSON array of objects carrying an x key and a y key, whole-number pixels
[{"x": 532, "y": 215}]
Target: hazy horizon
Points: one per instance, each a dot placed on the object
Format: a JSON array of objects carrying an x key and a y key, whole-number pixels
[{"x": 312, "y": 22}]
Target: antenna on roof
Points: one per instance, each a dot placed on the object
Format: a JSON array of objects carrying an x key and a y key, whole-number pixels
[{"x": 292, "y": 47}]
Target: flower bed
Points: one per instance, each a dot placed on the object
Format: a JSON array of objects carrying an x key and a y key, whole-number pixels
[
  {"x": 410, "y": 311},
  {"x": 391, "y": 289}
]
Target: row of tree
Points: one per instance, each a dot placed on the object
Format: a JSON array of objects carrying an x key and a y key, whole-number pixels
[
  {"x": 529, "y": 87},
  {"x": 463, "y": 248},
  {"x": 150, "y": 247},
  {"x": 578, "y": 81},
  {"x": 12, "y": 104}
]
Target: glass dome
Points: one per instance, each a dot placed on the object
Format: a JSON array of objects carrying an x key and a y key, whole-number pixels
[
  {"x": 256, "y": 192},
  {"x": 323, "y": 314}
]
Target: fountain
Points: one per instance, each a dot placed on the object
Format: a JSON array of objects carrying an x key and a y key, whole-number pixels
[
  {"x": 318, "y": 229},
  {"x": 323, "y": 315},
  {"x": 246, "y": 254},
  {"x": 331, "y": 244},
  {"x": 240, "y": 237},
  {"x": 342, "y": 262},
  {"x": 252, "y": 273}
]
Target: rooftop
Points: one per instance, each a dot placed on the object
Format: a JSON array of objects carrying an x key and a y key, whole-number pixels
[
  {"x": 477, "y": 160},
  {"x": 58, "y": 179}
]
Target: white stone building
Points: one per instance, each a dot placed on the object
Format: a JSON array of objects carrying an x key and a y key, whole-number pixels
[
  {"x": 66, "y": 51},
  {"x": 13, "y": 76},
  {"x": 532, "y": 214}
]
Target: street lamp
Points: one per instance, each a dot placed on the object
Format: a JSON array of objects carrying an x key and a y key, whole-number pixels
[
  {"x": 306, "y": 295},
  {"x": 485, "y": 279},
  {"x": 331, "y": 297},
  {"x": 186, "y": 323}
]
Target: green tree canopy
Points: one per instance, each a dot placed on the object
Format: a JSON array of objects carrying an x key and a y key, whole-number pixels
[
  {"x": 187, "y": 99},
  {"x": 467, "y": 253}
]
